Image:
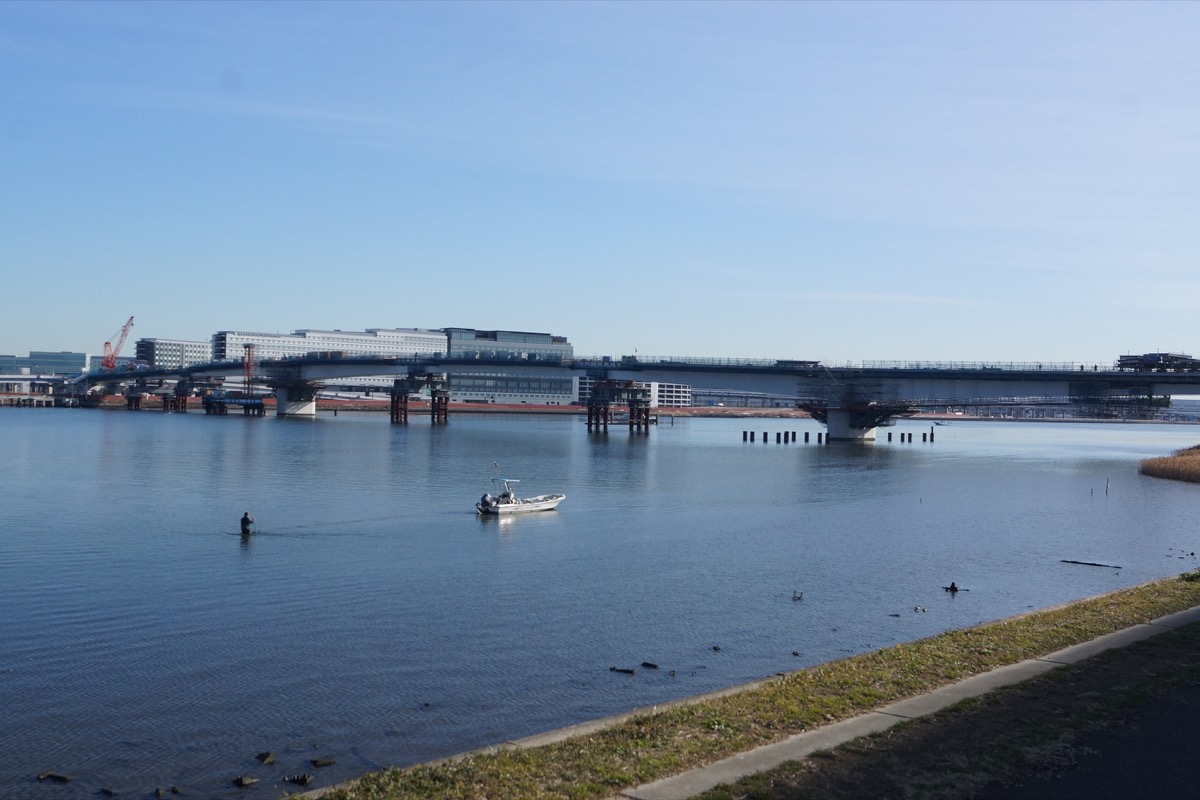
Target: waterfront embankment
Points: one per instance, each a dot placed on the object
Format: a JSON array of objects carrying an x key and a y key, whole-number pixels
[{"x": 659, "y": 742}]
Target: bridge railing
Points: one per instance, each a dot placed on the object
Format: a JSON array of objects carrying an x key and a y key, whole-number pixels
[
  {"x": 697, "y": 361},
  {"x": 1014, "y": 400},
  {"x": 963, "y": 366},
  {"x": 1009, "y": 366}
]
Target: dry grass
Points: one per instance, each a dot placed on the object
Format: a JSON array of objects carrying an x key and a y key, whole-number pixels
[
  {"x": 654, "y": 746},
  {"x": 1182, "y": 465}
]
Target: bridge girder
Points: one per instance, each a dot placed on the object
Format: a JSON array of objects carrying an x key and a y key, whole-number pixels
[{"x": 810, "y": 383}]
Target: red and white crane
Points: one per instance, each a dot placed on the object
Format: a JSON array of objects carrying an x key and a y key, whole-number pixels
[{"x": 109, "y": 362}]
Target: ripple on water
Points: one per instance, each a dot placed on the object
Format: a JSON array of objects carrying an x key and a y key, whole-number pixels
[{"x": 376, "y": 620}]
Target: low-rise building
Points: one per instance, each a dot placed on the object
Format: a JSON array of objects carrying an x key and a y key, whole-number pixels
[{"x": 41, "y": 362}]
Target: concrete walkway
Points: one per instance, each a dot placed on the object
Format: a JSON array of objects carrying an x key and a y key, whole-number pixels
[{"x": 693, "y": 782}]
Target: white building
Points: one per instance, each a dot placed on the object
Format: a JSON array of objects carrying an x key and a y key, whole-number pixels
[
  {"x": 172, "y": 353},
  {"x": 382, "y": 342},
  {"x": 662, "y": 395},
  {"x": 670, "y": 395}
]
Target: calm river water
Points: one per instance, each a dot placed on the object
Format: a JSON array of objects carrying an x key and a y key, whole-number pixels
[{"x": 374, "y": 619}]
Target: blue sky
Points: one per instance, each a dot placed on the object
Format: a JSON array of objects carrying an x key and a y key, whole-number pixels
[{"x": 842, "y": 181}]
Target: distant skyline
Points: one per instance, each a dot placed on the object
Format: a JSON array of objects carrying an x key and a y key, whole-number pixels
[{"x": 835, "y": 181}]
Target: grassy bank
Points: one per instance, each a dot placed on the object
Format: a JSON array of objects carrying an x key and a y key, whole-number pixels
[
  {"x": 681, "y": 736},
  {"x": 1182, "y": 465}
]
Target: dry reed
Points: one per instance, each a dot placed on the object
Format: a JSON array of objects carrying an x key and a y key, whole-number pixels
[{"x": 1182, "y": 465}]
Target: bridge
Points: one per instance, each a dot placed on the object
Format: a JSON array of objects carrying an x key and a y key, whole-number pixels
[{"x": 850, "y": 400}]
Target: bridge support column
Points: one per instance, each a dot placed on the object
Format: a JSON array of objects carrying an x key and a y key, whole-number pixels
[
  {"x": 599, "y": 415},
  {"x": 839, "y": 427},
  {"x": 439, "y": 406},
  {"x": 639, "y": 415},
  {"x": 296, "y": 400},
  {"x": 399, "y": 406},
  {"x": 855, "y": 422}
]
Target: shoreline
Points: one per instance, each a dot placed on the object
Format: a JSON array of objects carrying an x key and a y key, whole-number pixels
[{"x": 804, "y": 700}]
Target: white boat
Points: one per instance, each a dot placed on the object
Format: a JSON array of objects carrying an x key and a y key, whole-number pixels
[{"x": 508, "y": 503}]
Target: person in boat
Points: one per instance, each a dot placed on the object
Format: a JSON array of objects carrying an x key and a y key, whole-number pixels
[
  {"x": 247, "y": 522},
  {"x": 953, "y": 587}
]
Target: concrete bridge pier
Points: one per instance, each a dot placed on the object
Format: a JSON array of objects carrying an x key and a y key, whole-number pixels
[
  {"x": 296, "y": 400},
  {"x": 855, "y": 421},
  {"x": 840, "y": 427}
]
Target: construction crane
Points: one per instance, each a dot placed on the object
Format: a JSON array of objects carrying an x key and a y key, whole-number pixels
[{"x": 109, "y": 362}]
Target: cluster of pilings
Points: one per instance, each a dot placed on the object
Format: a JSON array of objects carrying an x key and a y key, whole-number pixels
[
  {"x": 781, "y": 437},
  {"x": 599, "y": 417},
  {"x": 28, "y": 401},
  {"x": 398, "y": 409},
  {"x": 403, "y": 388},
  {"x": 606, "y": 393},
  {"x": 439, "y": 406},
  {"x": 925, "y": 437},
  {"x": 171, "y": 402},
  {"x": 784, "y": 437},
  {"x": 251, "y": 407}
]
